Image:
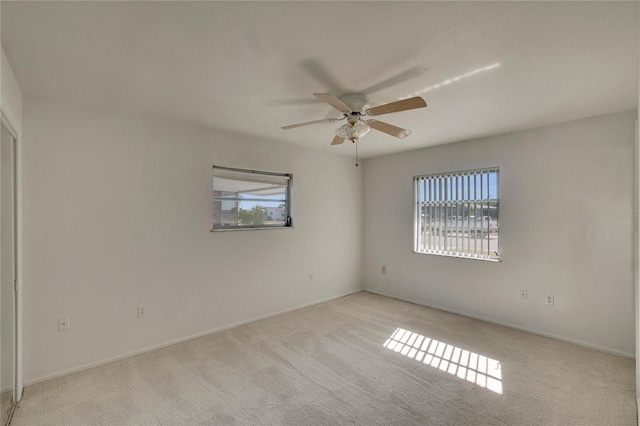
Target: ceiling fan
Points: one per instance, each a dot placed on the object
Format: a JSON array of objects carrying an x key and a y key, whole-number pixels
[{"x": 354, "y": 106}]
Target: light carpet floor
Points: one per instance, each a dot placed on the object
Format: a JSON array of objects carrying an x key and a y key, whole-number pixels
[
  {"x": 363, "y": 359},
  {"x": 5, "y": 406}
]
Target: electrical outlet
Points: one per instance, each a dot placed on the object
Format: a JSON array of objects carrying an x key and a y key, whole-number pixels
[
  {"x": 384, "y": 269},
  {"x": 523, "y": 294},
  {"x": 310, "y": 277},
  {"x": 63, "y": 324},
  {"x": 549, "y": 299},
  {"x": 142, "y": 311}
]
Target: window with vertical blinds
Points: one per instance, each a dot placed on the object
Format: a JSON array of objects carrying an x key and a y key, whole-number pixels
[{"x": 456, "y": 214}]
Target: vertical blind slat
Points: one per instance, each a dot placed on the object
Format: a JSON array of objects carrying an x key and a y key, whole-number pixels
[
  {"x": 488, "y": 215},
  {"x": 446, "y": 214},
  {"x": 481, "y": 213}
]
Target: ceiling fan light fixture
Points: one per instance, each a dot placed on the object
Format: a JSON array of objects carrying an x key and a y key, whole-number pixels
[
  {"x": 353, "y": 132},
  {"x": 353, "y": 106}
]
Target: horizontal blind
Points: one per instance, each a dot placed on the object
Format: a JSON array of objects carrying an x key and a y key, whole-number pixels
[
  {"x": 249, "y": 176},
  {"x": 457, "y": 214},
  {"x": 245, "y": 199}
]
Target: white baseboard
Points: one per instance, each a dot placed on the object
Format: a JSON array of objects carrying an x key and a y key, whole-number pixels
[
  {"x": 505, "y": 324},
  {"x": 41, "y": 379}
]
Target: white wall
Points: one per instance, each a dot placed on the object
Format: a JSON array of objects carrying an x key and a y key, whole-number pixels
[
  {"x": 11, "y": 106},
  {"x": 555, "y": 184},
  {"x": 117, "y": 212}
]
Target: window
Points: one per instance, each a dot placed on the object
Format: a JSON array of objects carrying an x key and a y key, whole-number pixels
[
  {"x": 248, "y": 199},
  {"x": 456, "y": 214}
]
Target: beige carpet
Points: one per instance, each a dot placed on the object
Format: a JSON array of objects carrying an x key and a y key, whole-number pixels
[
  {"x": 363, "y": 359},
  {"x": 5, "y": 406}
]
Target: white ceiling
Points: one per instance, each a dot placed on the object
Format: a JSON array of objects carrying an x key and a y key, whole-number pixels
[{"x": 251, "y": 67}]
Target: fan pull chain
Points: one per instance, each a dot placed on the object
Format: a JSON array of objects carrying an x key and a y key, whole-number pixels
[{"x": 356, "y": 142}]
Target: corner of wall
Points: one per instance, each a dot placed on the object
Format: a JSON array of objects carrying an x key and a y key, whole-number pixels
[
  {"x": 11, "y": 107},
  {"x": 637, "y": 233},
  {"x": 11, "y": 95}
]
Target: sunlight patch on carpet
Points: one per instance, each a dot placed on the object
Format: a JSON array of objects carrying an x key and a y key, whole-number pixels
[{"x": 474, "y": 368}]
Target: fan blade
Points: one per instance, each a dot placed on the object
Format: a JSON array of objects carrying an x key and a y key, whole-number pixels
[
  {"x": 290, "y": 101},
  {"x": 322, "y": 75},
  {"x": 396, "y": 79},
  {"x": 404, "y": 105},
  {"x": 389, "y": 129},
  {"x": 337, "y": 140},
  {"x": 333, "y": 101},
  {"x": 308, "y": 123}
]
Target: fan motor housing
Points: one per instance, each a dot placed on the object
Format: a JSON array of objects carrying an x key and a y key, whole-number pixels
[
  {"x": 353, "y": 118},
  {"x": 357, "y": 102}
]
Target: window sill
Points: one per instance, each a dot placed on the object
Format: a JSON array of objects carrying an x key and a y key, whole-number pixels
[
  {"x": 498, "y": 260},
  {"x": 263, "y": 228}
]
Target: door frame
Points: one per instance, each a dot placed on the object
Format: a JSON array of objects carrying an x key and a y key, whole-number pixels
[{"x": 17, "y": 261}]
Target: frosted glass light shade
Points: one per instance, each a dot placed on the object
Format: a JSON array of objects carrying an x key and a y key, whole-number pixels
[{"x": 354, "y": 132}]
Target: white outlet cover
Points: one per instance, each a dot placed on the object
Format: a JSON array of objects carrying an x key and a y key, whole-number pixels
[
  {"x": 63, "y": 324},
  {"x": 549, "y": 299}
]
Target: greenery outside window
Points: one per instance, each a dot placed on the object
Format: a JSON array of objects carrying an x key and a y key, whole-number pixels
[{"x": 250, "y": 199}]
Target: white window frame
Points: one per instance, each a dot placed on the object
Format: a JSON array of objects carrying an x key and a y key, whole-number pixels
[
  {"x": 443, "y": 237},
  {"x": 260, "y": 176}
]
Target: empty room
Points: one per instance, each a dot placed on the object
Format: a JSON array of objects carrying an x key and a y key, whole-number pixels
[{"x": 319, "y": 213}]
